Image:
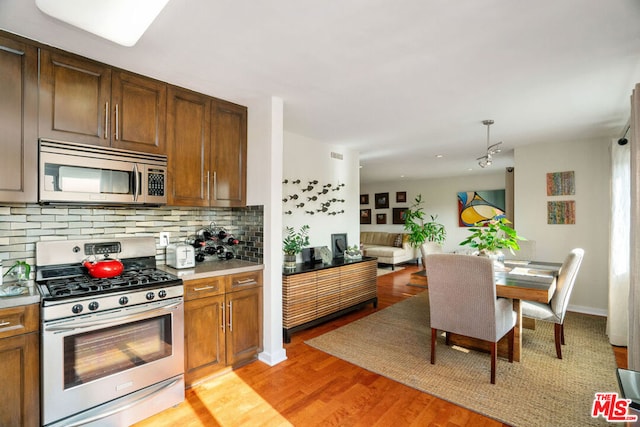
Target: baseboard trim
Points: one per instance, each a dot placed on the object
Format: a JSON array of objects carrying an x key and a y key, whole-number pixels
[
  {"x": 588, "y": 310},
  {"x": 273, "y": 359}
]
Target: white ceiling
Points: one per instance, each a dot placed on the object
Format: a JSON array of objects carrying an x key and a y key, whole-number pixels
[{"x": 400, "y": 82}]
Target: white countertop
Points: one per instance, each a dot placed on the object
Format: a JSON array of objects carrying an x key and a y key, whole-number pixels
[
  {"x": 202, "y": 270},
  {"x": 31, "y": 297}
]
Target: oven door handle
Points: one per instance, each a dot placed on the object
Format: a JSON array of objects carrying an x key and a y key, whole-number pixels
[
  {"x": 137, "y": 401},
  {"x": 115, "y": 322}
]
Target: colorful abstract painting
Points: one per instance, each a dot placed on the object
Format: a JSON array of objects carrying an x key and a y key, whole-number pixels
[
  {"x": 475, "y": 206},
  {"x": 562, "y": 212},
  {"x": 561, "y": 183}
]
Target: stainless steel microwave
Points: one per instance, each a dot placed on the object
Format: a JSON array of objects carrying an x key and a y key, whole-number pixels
[{"x": 89, "y": 174}]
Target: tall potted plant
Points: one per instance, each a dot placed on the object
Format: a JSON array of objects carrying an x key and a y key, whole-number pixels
[
  {"x": 293, "y": 243},
  {"x": 419, "y": 230},
  {"x": 490, "y": 236}
]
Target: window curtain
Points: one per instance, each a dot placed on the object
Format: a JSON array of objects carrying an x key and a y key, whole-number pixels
[
  {"x": 633, "y": 353},
  {"x": 618, "y": 319}
]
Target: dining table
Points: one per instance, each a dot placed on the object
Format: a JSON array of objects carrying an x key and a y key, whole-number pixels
[{"x": 518, "y": 280}]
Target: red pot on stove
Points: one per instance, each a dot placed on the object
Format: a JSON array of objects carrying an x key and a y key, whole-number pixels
[{"x": 105, "y": 268}]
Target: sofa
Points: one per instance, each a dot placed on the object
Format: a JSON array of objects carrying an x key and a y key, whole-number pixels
[{"x": 389, "y": 248}]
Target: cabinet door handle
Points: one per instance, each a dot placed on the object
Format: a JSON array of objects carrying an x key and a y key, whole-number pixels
[
  {"x": 215, "y": 184},
  {"x": 203, "y": 288},
  {"x": 4, "y": 323},
  {"x": 230, "y": 316},
  {"x": 117, "y": 122},
  {"x": 208, "y": 187},
  {"x": 106, "y": 120},
  {"x": 224, "y": 331},
  {"x": 246, "y": 282}
]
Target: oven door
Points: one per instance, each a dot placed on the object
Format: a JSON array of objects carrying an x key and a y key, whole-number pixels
[{"x": 93, "y": 359}]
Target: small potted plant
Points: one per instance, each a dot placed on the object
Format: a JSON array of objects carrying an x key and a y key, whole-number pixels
[
  {"x": 352, "y": 252},
  {"x": 293, "y": 243},
  {"x": 420, "y": 231},
  {"x": 20, "y": 270},
  {"x": 490, "y": 236}
]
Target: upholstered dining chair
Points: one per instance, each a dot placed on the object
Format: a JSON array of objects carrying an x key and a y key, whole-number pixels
[
  {"x": 462, "y": 300},
  {"x": 429, "y": 248},
  {"x": 556, "y": 309}
]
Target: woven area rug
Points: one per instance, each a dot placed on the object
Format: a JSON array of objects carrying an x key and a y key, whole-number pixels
[{"x": 541, "y": 390}]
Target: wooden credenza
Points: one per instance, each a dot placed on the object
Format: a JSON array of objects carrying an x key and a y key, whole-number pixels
[{"x": 314, "y": 294}]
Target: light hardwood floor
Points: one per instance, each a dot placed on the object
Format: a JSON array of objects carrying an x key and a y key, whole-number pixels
[{"x": 312, "y": 388}]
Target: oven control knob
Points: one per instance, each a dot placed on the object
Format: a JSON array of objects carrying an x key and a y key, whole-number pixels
[
  {"x": 93, "y": 305},
  {"x": 162, "y": 293},
  {"x": 77, "y": 308},
  {"x": 123, "y": 300},
  {"x": 150, "y": 296}
]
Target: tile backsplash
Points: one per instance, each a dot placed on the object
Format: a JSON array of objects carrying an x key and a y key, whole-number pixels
[{"x": 22, "y": 225}]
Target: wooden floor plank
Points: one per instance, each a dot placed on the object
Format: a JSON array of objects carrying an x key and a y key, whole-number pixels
[{"x": 312, "y": 388}]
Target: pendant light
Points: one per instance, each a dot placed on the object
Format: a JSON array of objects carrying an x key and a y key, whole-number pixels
[{"x": 487, "y": 159}]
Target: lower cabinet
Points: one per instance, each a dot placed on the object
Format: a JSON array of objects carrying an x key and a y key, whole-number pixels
[
  {"x": 20, "y": 366},
  {"x": 223, "y": 323}
]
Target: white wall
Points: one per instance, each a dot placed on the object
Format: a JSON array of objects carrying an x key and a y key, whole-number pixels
[
  {"x": 308, "y": 160},
  {"x": 590, "y": 161},
  {"x": 264, "y": 175},
  {"x": 439, "y": 196}
]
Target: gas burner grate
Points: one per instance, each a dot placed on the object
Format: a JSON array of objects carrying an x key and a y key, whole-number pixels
[{"x": 84, "y": 285}]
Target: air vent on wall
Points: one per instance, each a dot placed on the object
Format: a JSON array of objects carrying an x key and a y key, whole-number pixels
[{"x": 335, "y": 155}]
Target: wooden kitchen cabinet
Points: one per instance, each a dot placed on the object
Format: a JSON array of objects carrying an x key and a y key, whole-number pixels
[
  {"x": 139, "y": 113},
  {"x": 204, "y": 338},
  {"x": 188, "y": 145},
  {"x": 229, "y": 154},
  {"x": 244, "y": 317},
  {"x": 223, "y": 323},
  {"x": 20, "y": 366},
  {"x": 88, "y": 102},
  {"x": 18, "y": 121},
  {"x": 207, "y": 146}
]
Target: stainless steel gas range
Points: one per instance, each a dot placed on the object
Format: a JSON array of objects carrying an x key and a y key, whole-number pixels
[{"x": 112, "y": 348}]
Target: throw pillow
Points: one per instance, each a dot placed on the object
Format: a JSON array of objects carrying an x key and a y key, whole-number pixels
[{"x": 398, "y": 241}]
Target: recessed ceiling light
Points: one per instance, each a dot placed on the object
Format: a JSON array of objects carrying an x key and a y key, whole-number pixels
[
  {"x": 439, "y": 156},
  {"x": 121, "y": 21}
]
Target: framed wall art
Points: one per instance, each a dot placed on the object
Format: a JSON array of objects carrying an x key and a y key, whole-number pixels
[
  {"x": 364, "y": 199},
  {"x": 398, "y": 215},
  {"x": 476, "y": 206},
  {"x": 561, "y": 212},
  {"x": 338, "y": 244},
  {"x": 382, "y": 200},
  {"x": 401, "y": 197},
  {"x": 365, "y": 216},
  {"x": 561, "y": 183},
  {"x": 381, "y": 218}
]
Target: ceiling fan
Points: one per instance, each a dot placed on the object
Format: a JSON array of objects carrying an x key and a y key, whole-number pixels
[{"x": 492, "y": 149}]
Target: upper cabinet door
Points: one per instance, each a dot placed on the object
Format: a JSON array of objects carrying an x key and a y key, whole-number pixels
[
  {"x": 18, "y": 121},
  {"x": 188, "y": 142},
  {"x": 229, "y": 154},
  {"x": 138, "y": 113},
  {"x": 74, "y": 99}
]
